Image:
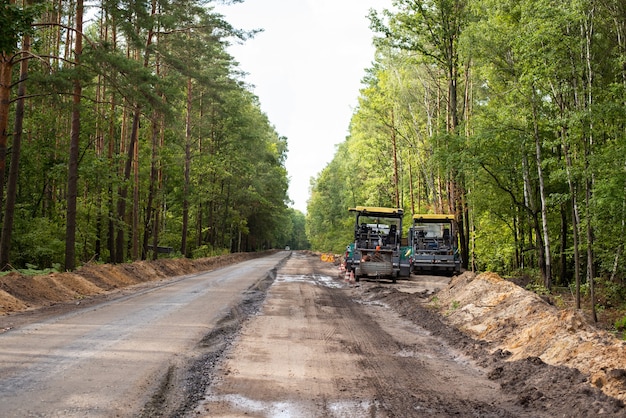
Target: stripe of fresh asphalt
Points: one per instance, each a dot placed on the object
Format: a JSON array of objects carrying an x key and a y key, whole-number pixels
[{"x": 101, "y": 361}]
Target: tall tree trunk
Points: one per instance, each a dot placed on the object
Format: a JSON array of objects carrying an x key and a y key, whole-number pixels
[
  {"x": 9, "y": 210},
  {"x": 111, "y": 161},
  {"x": 151, "y": 217},
  {"x": 110, "y": 193},
  {"x": 148, "y": 229},
  {"x": 591, "y": 271},
  {"x": 120, "y": 244},
  {"x": 200, "y": 215},
  {"x": 395, "y": 160},
  {"x": 575, "y": 217},
  {"x": 563, "y": 271},
  {"x": 457, "y": 188},
  {"x": 6, "y": 72},
  {"x": 547, "y": 278},
  {"x": 533, "y": 221},
  {"x": 100, "y": 143},
  {"x": 135, "y": 211},
  {"x": 411, "y": 191},
  {"x": 591, "y": 274},
  {"x": 187, "y": 168},
  {"x": 6, "y": 77},
  {"x": 160, "y": 206},
  {"x": 72, "y": 177},
  {"x": 131, "y": 160}
]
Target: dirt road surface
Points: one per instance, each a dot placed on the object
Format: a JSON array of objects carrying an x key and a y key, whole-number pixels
[
  {"x": 301, "y": 341},
  {"x": 318, "y": 350},
  {"x": 327, "y": 348}
]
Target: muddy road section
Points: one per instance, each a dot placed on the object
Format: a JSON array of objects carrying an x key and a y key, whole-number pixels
[{"x": 324, "y": 347}]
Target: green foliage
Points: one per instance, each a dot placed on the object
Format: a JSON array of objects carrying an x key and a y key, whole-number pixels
[
  {"x": 38, "y": 243},
  {"x": 620, "y": 324},
  {"x": 15, "y": 22},
  {"x": 32, "y": 270},
  {"x": 234, "y": 196},
  {"x": 538, "y": 288},
  {"x": 610, "y": 294},
  {"x": 206, "y": 251},
  {"x": 494, "y": 248},
  {"x": 295, "y": 232},
  {"x": 538, "y": 85},
  {"x": 584, "y": 289},
  {"x": 524, "y": 276},
  {"x": 329, "y": 225},
  {"x": 454, "y": 305},
  {"x": 537, "y": 76},
  {"x": 559, "y": 302}
]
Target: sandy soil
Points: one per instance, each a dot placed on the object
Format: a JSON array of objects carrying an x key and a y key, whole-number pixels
[
  {"x": 313, "y": 344},
  {"x": 523, "y": 325}
]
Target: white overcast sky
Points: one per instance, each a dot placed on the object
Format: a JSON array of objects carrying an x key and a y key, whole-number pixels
[{"x": 306, "y": 68}]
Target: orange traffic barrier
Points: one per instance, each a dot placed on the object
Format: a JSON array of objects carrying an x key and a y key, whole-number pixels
[{"x": 329, "y": 258}]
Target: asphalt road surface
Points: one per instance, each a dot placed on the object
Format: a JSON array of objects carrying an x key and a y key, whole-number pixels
[{"x": 110, "y": 359}]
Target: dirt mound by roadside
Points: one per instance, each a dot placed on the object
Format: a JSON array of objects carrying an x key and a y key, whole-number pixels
[
  {"x": 19, "y": 292},
  {"x": 519, "y": 322}
]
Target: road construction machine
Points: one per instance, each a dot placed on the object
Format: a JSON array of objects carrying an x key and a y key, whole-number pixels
[
  {"x": 377, "y": 241},
  {"x": 434, "y": 244}
]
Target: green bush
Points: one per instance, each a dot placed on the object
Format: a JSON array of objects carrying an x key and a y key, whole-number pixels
[
  {"x": 609, "y": 293},
  {"x": 208, "y": 251},
  {"x": 620, "y": 324},
  {"x": 538, "y": 288},
  {"x": 38, "y": 243}
]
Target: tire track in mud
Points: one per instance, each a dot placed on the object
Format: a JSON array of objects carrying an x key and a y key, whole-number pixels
[
  {"x": 305, "y": 369},
  {"x": 404, "y": 382},
  {"x": 185, "y": 382}
]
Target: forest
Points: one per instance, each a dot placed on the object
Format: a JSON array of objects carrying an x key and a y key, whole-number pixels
[
  {"x": 509, "y": 114},
  {"x": 126, "y": 130}
]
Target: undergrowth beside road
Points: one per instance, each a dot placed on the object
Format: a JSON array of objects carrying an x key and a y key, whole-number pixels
[{"x": 610, "y": 299}]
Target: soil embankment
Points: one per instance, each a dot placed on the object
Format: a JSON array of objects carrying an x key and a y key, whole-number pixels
[
  {"x": 521, "y": 323},
  {"x": 19, "y": 292}
]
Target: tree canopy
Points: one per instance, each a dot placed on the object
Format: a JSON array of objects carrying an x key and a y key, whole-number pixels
[
  {"x": 508, "y": 114},
  {"x": 133, "y": 134}
]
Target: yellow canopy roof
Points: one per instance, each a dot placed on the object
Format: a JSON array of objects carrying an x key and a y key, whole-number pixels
[{"x": 374, "y": 210}]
